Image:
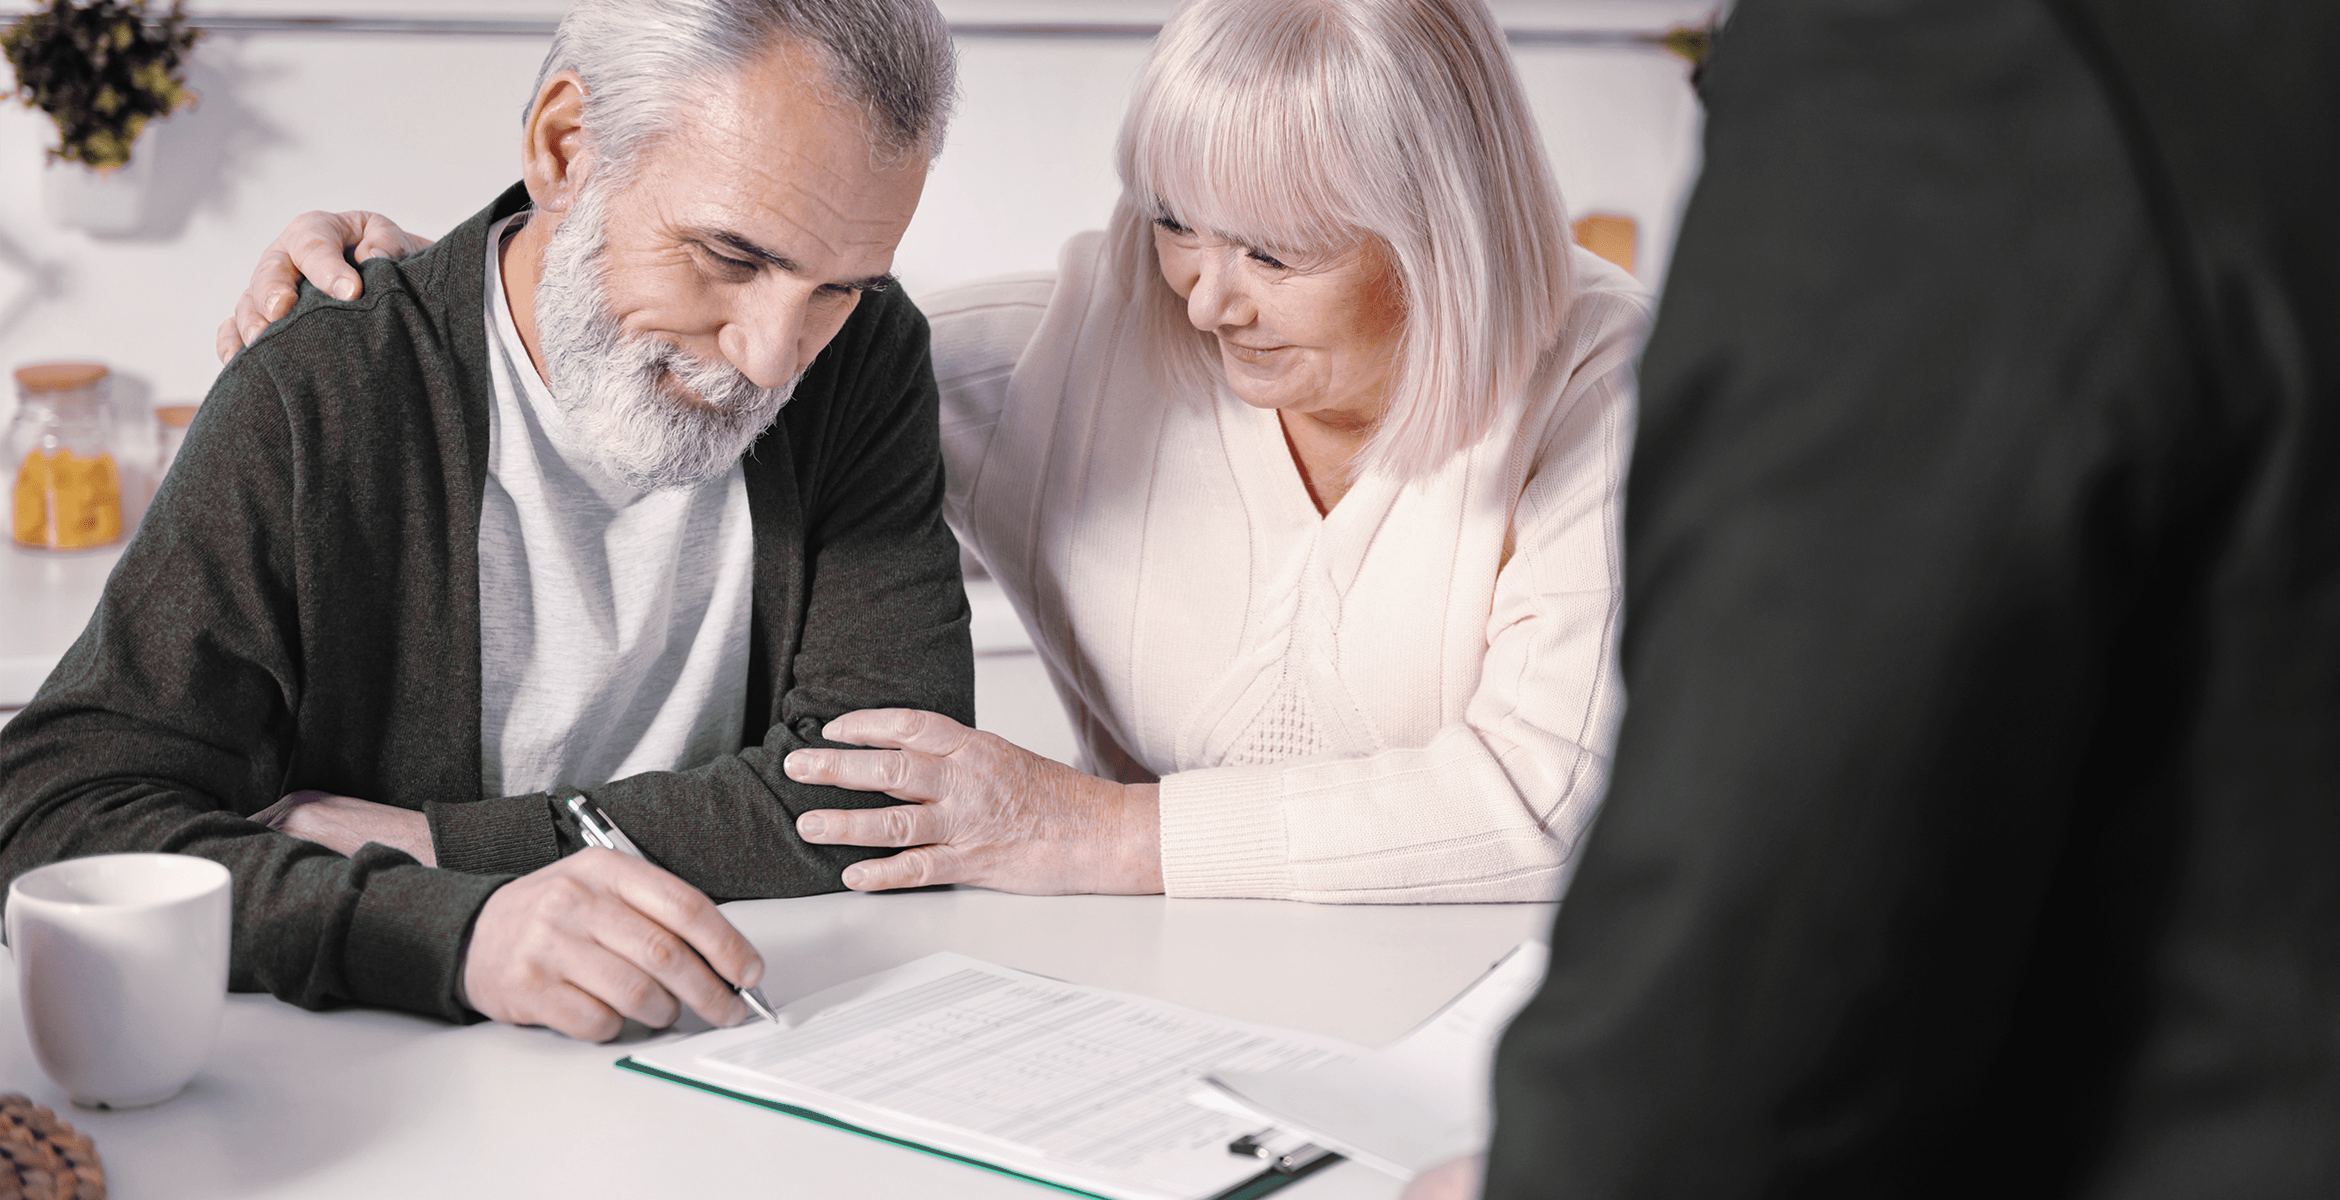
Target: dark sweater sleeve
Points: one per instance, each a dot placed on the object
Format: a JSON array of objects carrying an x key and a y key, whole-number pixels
[
  {"x": 858, "y": 604},
  {"x": 173, "y": 717}
]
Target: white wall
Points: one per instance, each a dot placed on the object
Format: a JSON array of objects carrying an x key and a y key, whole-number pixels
[{"x": 425, "y": 127}]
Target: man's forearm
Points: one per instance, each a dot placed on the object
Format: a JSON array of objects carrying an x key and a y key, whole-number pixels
[{"x": 311, "y": 926}]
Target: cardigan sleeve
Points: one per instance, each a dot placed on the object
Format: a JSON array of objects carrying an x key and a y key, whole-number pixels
[
  {"x": 176, "y": 715},
  {"x": 980, "y": 329},
  {"x": 1490, "y": 807}
]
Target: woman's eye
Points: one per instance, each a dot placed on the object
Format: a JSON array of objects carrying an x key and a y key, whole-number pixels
[
  {"x": 1168, "y": 225},
  {"x": 1265, "y": 259}
]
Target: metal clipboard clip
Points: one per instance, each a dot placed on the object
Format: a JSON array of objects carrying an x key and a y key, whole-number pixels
[{"x": 1276, "y": 1149}]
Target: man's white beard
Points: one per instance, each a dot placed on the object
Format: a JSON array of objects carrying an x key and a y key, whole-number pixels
[{"x": 609, "y": 386}]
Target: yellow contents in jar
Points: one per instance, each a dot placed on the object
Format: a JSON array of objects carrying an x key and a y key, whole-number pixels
[{"x": 65, "y": 501}]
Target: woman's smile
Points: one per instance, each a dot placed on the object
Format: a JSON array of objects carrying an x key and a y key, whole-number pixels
[{"x": 1252, "y": 356}]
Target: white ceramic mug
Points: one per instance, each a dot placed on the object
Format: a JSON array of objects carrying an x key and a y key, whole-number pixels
[{"x": 121, "y": 961}]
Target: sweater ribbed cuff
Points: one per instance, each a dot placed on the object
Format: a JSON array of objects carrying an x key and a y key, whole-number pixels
[
  {"x": 404, "y": 948},
  {"x": 505, "y": 835},
  {"x": 1223, "y": 833}
]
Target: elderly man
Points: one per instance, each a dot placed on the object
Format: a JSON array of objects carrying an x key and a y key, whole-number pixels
[{"x": 628, "y": 486}]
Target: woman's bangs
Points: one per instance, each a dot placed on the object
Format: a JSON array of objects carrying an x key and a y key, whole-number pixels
[{"x": 1244, "y": 159}]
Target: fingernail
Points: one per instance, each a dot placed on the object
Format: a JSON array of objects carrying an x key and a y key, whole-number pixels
[
  {"x": 345, "y": 289},
  {"x": 812, "y": 824},
  {"x": 798, "y": 765},
  {"x": 854, "y": 875},
  {"x": 752, "y": 974}
]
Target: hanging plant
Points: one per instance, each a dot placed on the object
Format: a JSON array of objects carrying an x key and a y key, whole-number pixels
[
  {"x": 101, "y": 70},
  {"x": 1693, "y": 44}
]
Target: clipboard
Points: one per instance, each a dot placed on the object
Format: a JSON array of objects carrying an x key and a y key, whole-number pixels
[
  {"x": 1080, "y": 1090},
  {"x": 1264, "y": 1183}
]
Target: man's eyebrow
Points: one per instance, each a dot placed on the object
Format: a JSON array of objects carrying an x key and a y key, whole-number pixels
[{"x": 748, "y": 249}]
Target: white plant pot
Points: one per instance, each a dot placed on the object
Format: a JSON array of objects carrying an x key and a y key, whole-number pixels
[{"x": 113, "y": 202}]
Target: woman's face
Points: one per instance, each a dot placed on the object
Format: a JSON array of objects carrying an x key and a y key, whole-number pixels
[{"x": 1299, "y": 331}]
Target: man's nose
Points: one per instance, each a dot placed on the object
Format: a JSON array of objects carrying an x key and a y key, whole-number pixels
[
  {"x": 1218, "y": 299},
  {"x": 760, "y": 340}
]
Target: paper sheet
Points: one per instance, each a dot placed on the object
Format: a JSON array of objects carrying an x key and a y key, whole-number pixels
[
  {"x": 1411, "y": 1106},
  {"x": 1072, "y": 1084}
]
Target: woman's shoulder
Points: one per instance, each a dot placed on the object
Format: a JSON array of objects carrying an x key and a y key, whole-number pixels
[
  {"x": 1606, "y": 303},
  {"x": 1584, "y": 390},
  {"x": 982, "y": 326},
  {"x": 985, "y": 325},
  {"x": 1600, "y": 335}
]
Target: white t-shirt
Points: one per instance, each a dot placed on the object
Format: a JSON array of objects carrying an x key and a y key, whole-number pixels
[{"x": 613, "y": 623}]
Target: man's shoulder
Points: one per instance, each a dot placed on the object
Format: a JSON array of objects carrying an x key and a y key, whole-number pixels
[
  {"x": 885, "y": 322},
  {"x": 878, "y": 360},
  {"x": 409, "y": 313},
  {"x": 321, "y": 330}
]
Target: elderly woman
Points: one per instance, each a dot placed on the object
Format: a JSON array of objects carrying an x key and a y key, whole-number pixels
[{"x": 1304, "y": 477}]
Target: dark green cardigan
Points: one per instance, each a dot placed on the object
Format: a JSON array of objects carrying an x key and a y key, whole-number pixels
[{"x": 301, "y": 610}]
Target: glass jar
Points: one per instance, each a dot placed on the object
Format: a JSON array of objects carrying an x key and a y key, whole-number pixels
[
  {"x": 63, "y": 450},
  {"x": 171, "y": 421}
]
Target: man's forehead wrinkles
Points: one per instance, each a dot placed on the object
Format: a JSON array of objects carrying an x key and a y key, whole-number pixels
[{"x": 778, "y": 174}]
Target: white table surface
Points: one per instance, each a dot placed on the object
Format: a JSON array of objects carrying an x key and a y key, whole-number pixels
[{"x": 362, "y": 1103}]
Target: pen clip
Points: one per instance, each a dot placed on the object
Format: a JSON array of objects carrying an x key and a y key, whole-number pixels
[{"x": 597, "y": 829}]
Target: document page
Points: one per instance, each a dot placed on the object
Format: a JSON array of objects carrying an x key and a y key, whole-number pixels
[
  {"x": 1076, "y": 1085},
  {"x": 1407, "y": 1108}
]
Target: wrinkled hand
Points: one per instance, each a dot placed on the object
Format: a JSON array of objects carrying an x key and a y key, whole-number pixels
[
  {"x": 344, "y": 823},
  {"x": 598, "y": 937},
  {"x": 1455, "y": 1179},
  {"x": 987, "y": 812},
  {"x": 311, "y": 246}
]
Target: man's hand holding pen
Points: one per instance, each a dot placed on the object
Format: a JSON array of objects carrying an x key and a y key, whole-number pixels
[
  {"x": 578, "y": 946},
  {"x": 593, "y": 939}
]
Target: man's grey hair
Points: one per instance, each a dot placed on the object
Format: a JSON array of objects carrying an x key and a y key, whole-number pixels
[{"x": 645, "y": 61}]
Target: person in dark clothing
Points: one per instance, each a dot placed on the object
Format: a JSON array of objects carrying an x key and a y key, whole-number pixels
[
  {"x": 1975, "y": 828},
  {"x": 626, "y": 487}
]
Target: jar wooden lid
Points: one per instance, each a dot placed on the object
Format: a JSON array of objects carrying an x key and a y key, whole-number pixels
[
  {"x": 59, "y": 377},
  {"x": 175, "y": 416}
]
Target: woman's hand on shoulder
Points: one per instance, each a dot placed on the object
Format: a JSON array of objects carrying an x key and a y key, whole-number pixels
[
  {"x": 313, "y": 246},
  {"x": 984, "y": 811}
]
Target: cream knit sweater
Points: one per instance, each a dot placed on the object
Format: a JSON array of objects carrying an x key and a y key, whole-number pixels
[{"x": 1409, "y": 699}]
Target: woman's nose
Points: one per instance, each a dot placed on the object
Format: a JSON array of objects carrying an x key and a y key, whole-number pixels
[{"x": 1218, "y": 300}]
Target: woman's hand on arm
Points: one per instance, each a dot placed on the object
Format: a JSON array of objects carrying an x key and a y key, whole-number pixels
[
  {"x": 312, "y": 247},
  {"x": 985, "y": 811}
]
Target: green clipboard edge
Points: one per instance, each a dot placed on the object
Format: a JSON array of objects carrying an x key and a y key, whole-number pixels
[{"x": 1256, "y": 1186}]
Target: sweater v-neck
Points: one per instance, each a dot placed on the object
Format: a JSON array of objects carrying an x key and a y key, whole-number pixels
[{"x": 1265, "y": 465}]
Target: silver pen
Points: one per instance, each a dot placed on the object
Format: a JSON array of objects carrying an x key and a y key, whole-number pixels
[{"x": 599, "y": 830}]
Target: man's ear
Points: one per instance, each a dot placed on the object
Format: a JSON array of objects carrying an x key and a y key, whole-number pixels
[{"x": 555, "y": 155}]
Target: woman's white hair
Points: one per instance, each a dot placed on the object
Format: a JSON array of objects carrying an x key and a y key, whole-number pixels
[
  {"x": 1304, "y": 124},
  {"x": 646, "y": 62}
]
